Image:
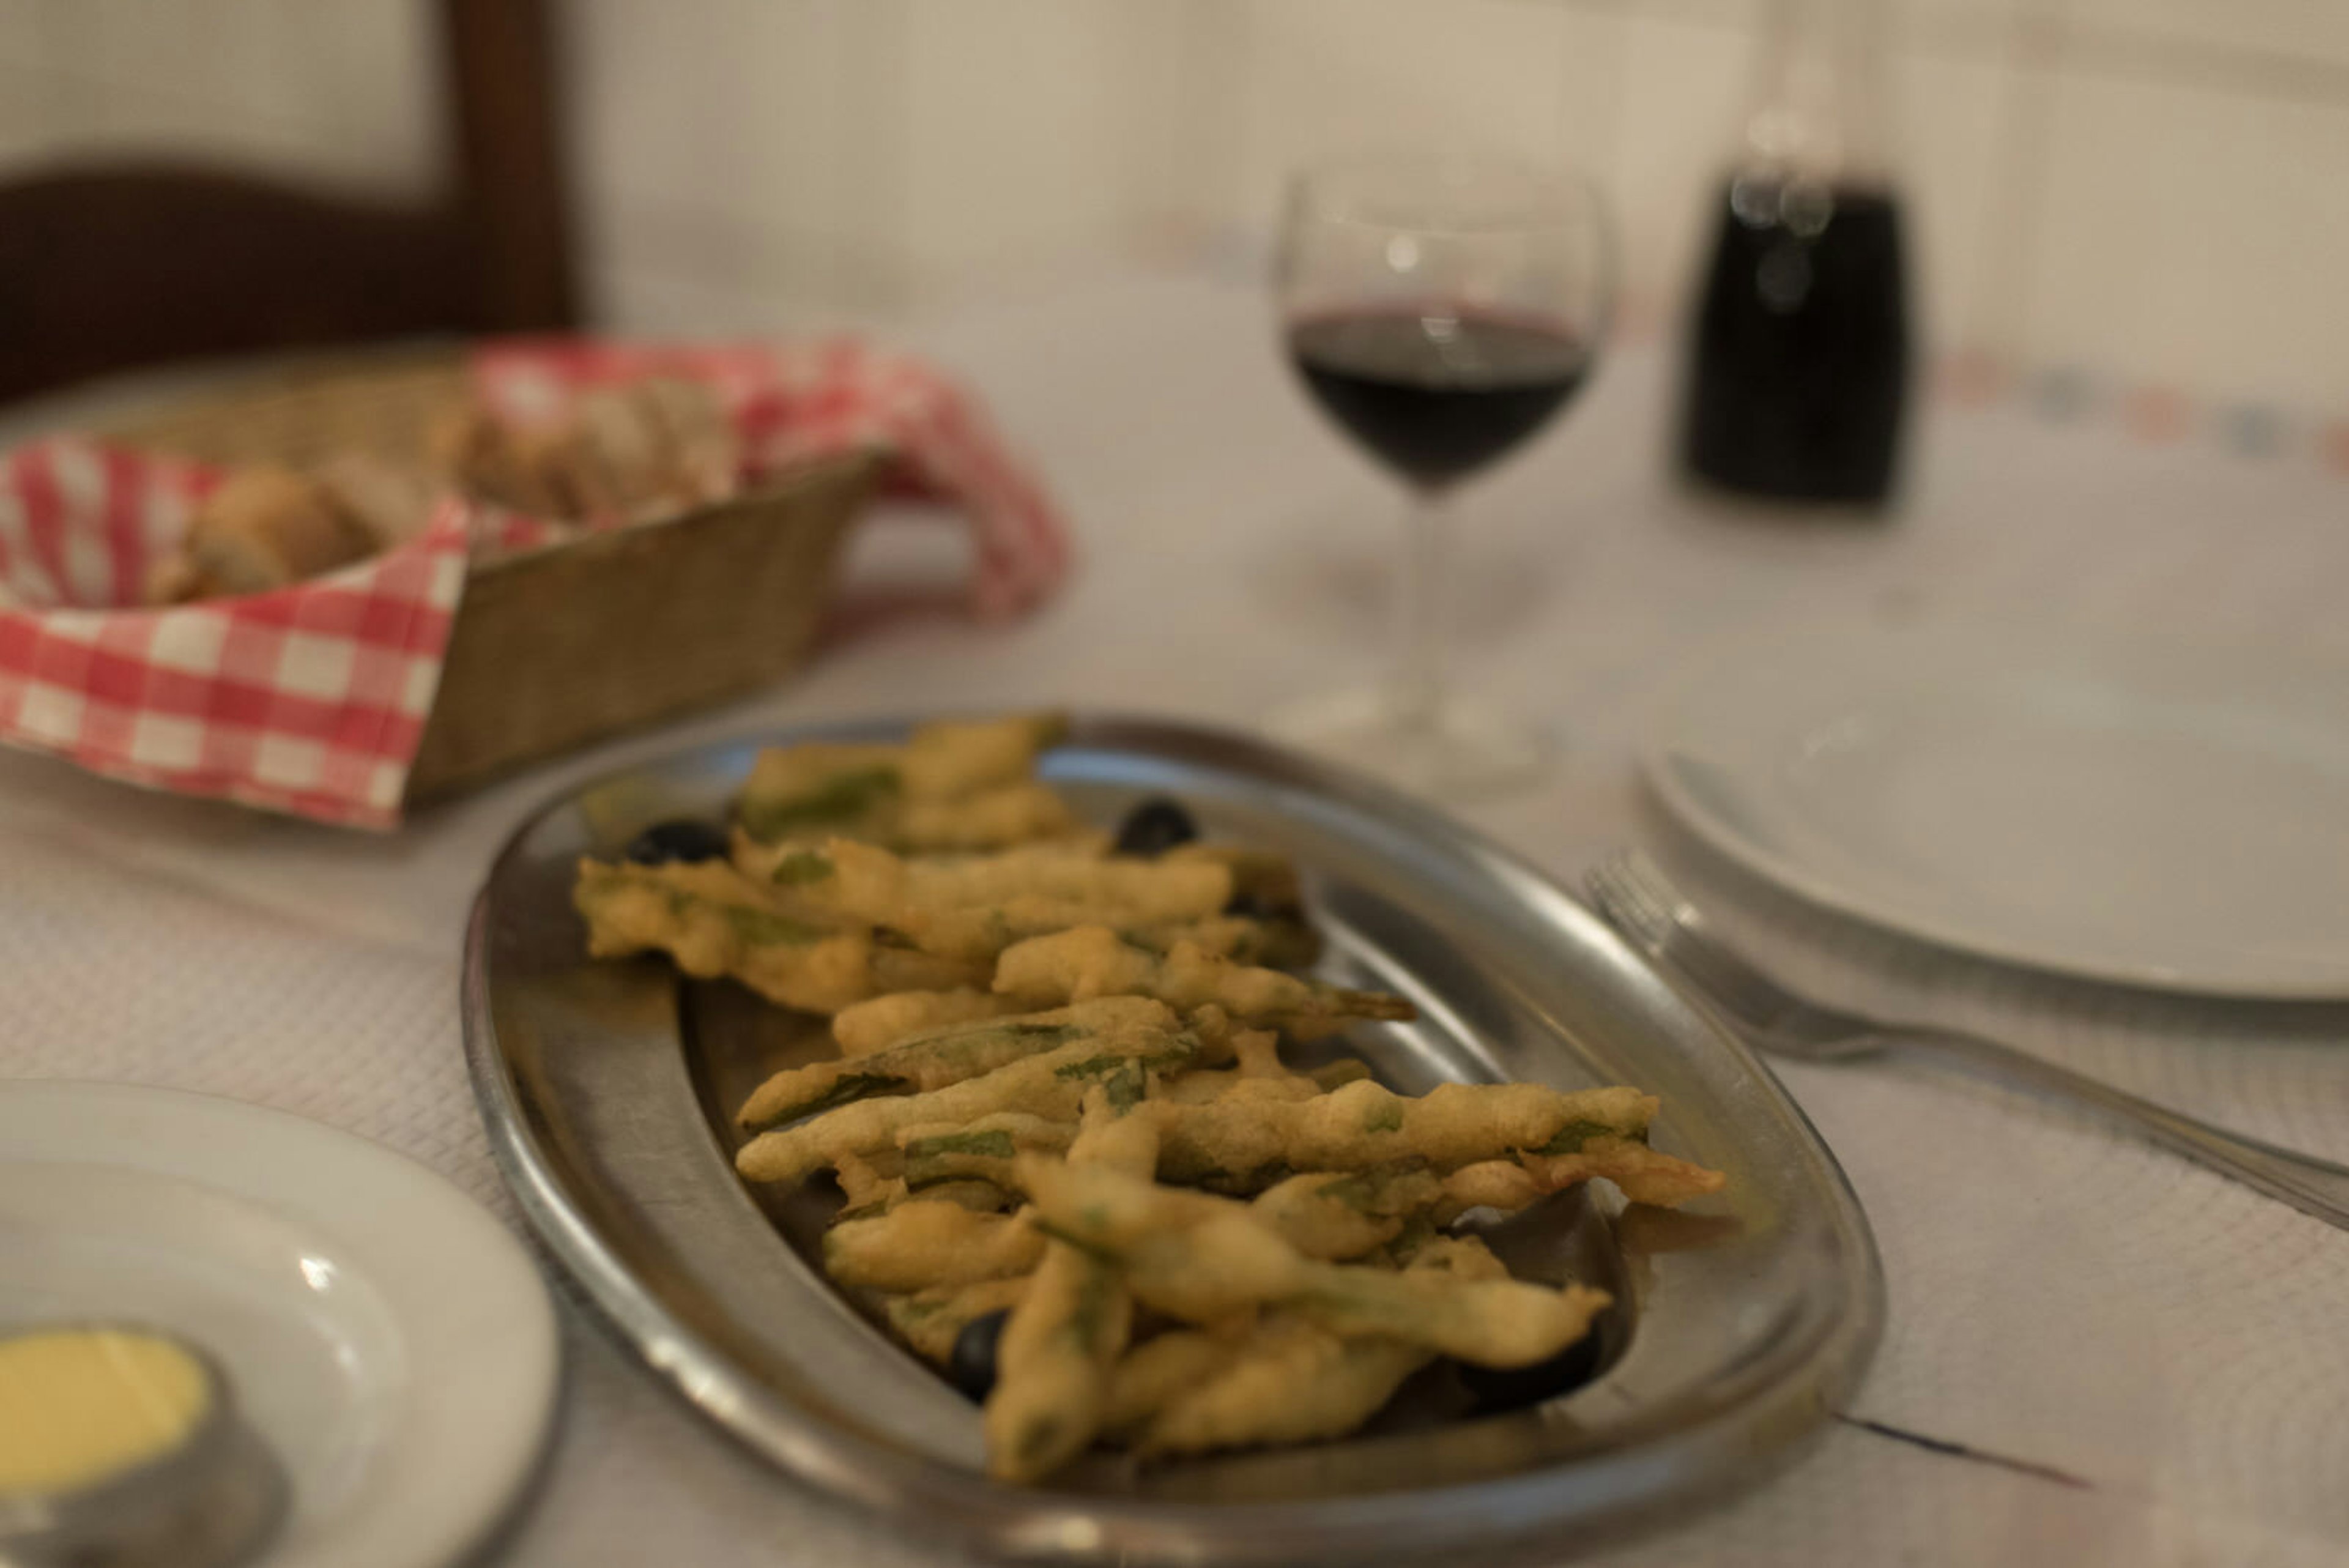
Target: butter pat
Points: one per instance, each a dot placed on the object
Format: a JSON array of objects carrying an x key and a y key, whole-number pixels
[{"x": 79, "y": 1406}]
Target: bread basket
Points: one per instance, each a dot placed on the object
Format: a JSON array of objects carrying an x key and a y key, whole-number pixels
[{"x": 557, "y": 647}]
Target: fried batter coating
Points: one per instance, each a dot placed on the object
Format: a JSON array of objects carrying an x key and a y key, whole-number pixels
[
  {"x": 1335, "y": 1217},
  {"x": 1644, "y": 1176},
  {"x": 930, "y": 1320},
  {"x": 1277, "y": 942},
  {"x": 927, "y": 1242},
  {"x": 715, "y": 922},
  {"x": 1154, "y": 1372},
  {"x": 1289, "y": 1380},
  {"x": 1059, "y": 1348},
  {"x": 948, "y": 1056},
  {"x": 983, "y": 1151},
  {"x": 826, "y": 786},
  {"x": 1051, "y": 1086},
  {"x": 997, "y": 818},
  {"x": 955, "y": 758},
  {"x": 867, "y": 1027},
  {"x": 1264, "y": 880},
  {"x": 1091, "y": 960},
  {"x": 1201, "y": 1258},
  {"x": 975, "y": 906},
  {"x": 1238, "y": 1144}
]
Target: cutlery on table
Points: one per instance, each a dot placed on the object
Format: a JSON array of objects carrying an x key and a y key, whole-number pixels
[{"x": 1635, "y": 896}]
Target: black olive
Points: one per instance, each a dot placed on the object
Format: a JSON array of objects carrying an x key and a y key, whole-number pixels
[
  {"x": 971, "y": 1367},
  {"x": 682, "y": 839},
  {"x": 1155, "y": 827},
  {"x": 1510, "y": 1388}
]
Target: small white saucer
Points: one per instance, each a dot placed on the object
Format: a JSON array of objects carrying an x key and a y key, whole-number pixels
[{"x": 391, "y": 1343}]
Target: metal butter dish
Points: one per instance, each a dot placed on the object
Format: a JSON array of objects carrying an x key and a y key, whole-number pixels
[{"x": 607, "y": 1089}]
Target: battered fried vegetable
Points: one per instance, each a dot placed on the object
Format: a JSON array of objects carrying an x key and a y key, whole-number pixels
[
  {"x": 982, "y": 1151},
  {"x": 1091, "y": 960},
  {"x": 925, "y": 1242},
  {"x": 1200, "y": 1258},
  {"x": 713, "y": 923},
  {"x": 1291, "y": 1380},
  {"x": 864, "y": 1186},
  {"x": 975, "y": 906},
  {"x": 1347, "y": 1215},
  {"x": 1209, "y": 1085},
  {"x": 819, "y": 786},
  {"x": 875, "y": 1025},
  {"x": 1337, "y": 1075},
  {"x": 1155, "y": 1372},
  {"x": 1644, "y": 1176},
  {"x": 823, "y": 786},
  {"x": 929, "y": 1320},
  {"x": 950, "y": 1054},
  {"x": 1054, "y": 1361},
  {"x": 1244, "y": 1144},
  {"x": 1051, "y": 1086},
  {"x": 992, "y": 819},
  {"x": 955, "y": 758},
  {"x": 1265, "y": 881},
  {"x": 1040, "y": 1038},
  {"x": 1278, "y": 943}
]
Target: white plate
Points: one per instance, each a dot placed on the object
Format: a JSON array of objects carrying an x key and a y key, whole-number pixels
[
  {"x": 389, "y": 1338},
  {"x": 2153, "y": 815}
]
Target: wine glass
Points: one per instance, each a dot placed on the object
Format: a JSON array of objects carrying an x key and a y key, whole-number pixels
[{"x": 1440, "y": 309}]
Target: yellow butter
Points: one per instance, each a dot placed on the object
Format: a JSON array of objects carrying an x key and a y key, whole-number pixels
[{"x": 79, "y": 1406}]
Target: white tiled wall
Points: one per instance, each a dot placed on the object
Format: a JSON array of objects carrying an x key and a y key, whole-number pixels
[
  {"x": 339, "y": 90},
  {"x": 2158, "y": 188}
]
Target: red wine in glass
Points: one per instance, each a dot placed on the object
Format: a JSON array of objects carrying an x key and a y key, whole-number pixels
[{"x": 1437, "y": 392}]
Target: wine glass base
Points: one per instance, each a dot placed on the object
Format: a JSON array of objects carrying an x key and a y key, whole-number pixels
[{"x": 1462, "y": 752}]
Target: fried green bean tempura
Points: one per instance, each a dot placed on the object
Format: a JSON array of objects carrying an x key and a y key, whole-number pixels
[
  {"x": 1644, "y": 1175},
  {"x": 1091, "y": 960},
  {"x": 1200, "y": 1258},
  {"x": 1240, "y": 1144},
  {"x": 948, "y": 1056},
  {"x": 1277, "y": 942},
  {"x": 924, "y": 1244},
  {"x": 823, "y": 786},
  {"x": 875, "y": 1025},
  {"x": 982, "y": 1151},
  {"x": 1051, "y": 1086},
  {"x": 1349, "y": 1214},
  {"x": 715, "y": 922},
  {"x": 974, "y": 907},
  {"x": 1064, "y": 1338},
  {"x": 930, "y": 1320},
  {"x": 1289, "y": 1380}
]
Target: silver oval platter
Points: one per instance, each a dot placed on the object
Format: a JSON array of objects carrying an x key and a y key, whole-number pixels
[{"x": 1742, "y": 1320}]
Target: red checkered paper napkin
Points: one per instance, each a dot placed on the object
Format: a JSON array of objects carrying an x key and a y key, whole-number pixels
[{"x": 311, "y": 699}]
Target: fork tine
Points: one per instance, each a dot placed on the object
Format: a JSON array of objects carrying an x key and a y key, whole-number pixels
[
  {"x": 1693, "y": 945},
  {"x": 1668, "y": 922},
  {"x": 1625, "y": 904}
]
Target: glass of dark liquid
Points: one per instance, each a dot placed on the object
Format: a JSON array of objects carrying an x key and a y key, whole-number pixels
[
  {"x": 1441, "y": 310},
  {"x": 1799, "y": 354}
]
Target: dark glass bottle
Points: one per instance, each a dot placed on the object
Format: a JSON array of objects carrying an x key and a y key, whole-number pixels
[{"x": 1798, "y": 376}]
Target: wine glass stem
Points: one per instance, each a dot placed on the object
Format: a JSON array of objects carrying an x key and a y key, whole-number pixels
[{"x": 1417, "y": 697}]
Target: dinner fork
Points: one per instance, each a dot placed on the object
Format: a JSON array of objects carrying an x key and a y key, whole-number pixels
[{"x": 1641, "y": 903}]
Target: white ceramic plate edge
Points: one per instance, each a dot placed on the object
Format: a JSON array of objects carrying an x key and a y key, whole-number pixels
[
  {"x": 1664, "y": 745},
  {"x": 474, "y": 1443}
]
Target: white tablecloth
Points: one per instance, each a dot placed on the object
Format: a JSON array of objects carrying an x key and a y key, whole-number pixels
[{"x": 2061, "y": 1297}]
